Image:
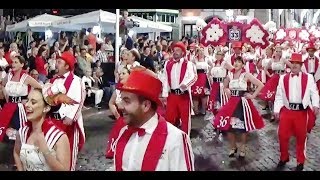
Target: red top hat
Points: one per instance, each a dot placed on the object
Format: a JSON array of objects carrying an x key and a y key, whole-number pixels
[
  {"x": 311, "y": 46},
  {"x": 145, "y": 83},
  {"x": 181, "y": 46},
  {"x": 236, "y": 44},
  {"x": 296, "y": 57},
  {"x": 69, "y": 59}
]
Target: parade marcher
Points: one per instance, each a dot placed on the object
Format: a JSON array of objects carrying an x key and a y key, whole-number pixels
[
  {"x": 266, "y": 60},
  {"x": 179, "y": 76},
  {"x": 237, "y": 52},
  {"x": 296, "y": 104},
  {"x": 190, "y": 54},
  {"x": 311, "y": 64},
  {"x": 265, "y": 69},
  {"x": 148, "y": 142},
  {"x": 219, "y": 71},
  {"x": 239, "y": 114},
  {"x": 250, "y": 58},
  {"x": 200, "y": 89},
  {"x": 41, "y": 145},
  {"x": 17, "y": 86},
  {"x": 69, "y": 117},
  {"x": 278, "y": 65}
]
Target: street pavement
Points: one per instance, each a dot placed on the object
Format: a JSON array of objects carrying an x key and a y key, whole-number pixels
[{"x": 210, "y": 150}]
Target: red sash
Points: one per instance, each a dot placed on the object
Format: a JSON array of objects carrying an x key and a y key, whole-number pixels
[
  {"x": 51, "y": 132},
  {"x": 67, "y": 82},
  {"x": 182, "y": 71},
  {"x": 316, "y": 64},
  {"x": 154, "y": 149}
]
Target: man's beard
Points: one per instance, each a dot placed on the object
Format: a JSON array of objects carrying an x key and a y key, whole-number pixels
[{"x": 132, "y": 119}]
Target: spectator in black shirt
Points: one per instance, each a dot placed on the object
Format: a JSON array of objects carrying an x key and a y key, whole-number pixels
[
  {"x": 145, "y": 60},
  {"x": 32, "y": 59}
]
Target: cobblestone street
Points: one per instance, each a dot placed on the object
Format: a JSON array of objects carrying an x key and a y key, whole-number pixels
[{"x": 211, "y": 154}]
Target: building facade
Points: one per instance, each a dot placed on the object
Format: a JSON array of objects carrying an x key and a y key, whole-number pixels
[{"x": 164, "y": 16}]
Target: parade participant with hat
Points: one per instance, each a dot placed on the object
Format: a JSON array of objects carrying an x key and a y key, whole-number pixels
[
  {"x": 296, "y": 104},
  {"x": 179, "y": 75},
  {"x": 200, "y": 89},
  {"x": 311, "y": 64},
  {"x": 148, "y": 142},
  {"x": 239, "y": 114},
  {"x": 237, "y": 48},
  {"x": 278, "y": 65},
  {"x": 17, "y": 85},
  {"x": 40, "y": 144},
  {"x": 69, "y": 117}
]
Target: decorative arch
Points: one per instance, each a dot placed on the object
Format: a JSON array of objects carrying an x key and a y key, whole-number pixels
[{"x": 209, "y": 18}]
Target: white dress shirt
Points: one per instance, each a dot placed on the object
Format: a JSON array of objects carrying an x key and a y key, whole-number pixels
[
  {"x": 188, "y": 80},
  {"x": 295, "y": 89},
  {"x": 311, "y": 65},
  {"x": 173, "y": 155}
]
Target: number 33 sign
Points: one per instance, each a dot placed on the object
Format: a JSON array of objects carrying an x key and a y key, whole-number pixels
[{"x": 234, "y": 31}]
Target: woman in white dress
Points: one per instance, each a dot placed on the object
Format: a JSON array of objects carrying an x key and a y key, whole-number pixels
[
  {"x": 40, "y": 145},
  {"x": 17, "y": 85}
]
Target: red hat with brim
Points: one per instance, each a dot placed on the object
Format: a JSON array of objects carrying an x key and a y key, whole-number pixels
[
  {"x": 311, "y": 46},
  {"x": 296, "y": 57},
  {"x": 237, "y": 44},
  {"x": 181, "y": 46},
  {"x": 69, "y": 59},
  {"x": 143, "y": 82}
]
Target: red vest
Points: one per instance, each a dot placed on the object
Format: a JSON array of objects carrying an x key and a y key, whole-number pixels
[{"x": 182, "y": 72}]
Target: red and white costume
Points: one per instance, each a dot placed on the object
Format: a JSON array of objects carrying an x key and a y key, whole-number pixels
[
  {"x": 268, "y": 92},
  {"x": 295, "y": 97},
  {"x": 159, "y": 147},
  {"x": 31, "y": 158},
  {"x": 262, "y": 76},
  {"x": 156, "y": 145},
  {"x": 239, "y": 113},
  {"x": 218, "y": 97},
  {"x": 179, "y": 100},
  {"x": 232, "y": 58},
  {"x": 250, "y": 63},
  {"x": 75, "y": 90},
  {"x": 200, "y": 87},
  {"x": 311, "y": 65},
  {"x": 13, "y": 113}
]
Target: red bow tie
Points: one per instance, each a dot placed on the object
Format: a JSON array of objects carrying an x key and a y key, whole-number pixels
[
  {"x": 292, "y": 75},
  {"x": 60, "y": 77},
  {"x": 141, "y": 131}
]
